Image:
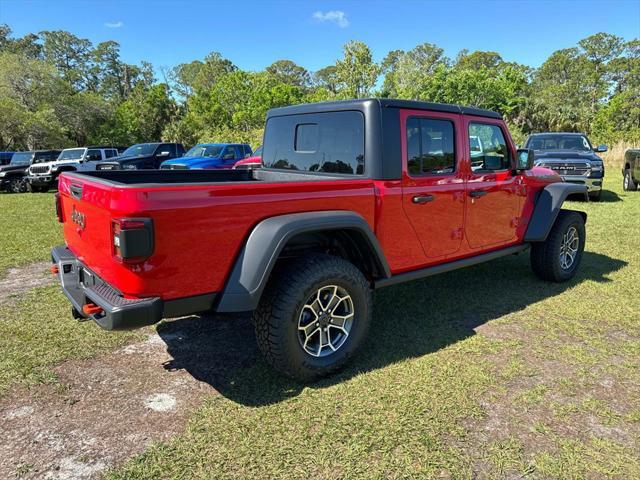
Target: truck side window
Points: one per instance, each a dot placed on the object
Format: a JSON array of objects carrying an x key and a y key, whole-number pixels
[
  {"x": 229, "y": 153},
  {"x": 328, "y": 142},
  {"x": 430, "y": 146},
  {"x": 93, "y": 155},
  {"x": 488, "y": 148}
]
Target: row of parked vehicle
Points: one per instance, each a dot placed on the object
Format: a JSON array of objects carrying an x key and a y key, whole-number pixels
[{"x": 38, "y": 171}]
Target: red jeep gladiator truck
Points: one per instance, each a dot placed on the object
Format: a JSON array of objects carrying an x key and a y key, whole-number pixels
[{"x": 354, "y": 196}]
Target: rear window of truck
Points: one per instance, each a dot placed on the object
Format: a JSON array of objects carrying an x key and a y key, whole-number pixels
[{"x": 331, "y": 142}]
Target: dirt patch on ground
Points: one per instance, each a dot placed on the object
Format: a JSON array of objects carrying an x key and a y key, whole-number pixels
[
  {"x": 19, "y": 280},
  {"x": 107, "y": 409}
]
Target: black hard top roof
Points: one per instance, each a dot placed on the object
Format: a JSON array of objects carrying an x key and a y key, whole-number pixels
[{"x": 360, "y": 104}]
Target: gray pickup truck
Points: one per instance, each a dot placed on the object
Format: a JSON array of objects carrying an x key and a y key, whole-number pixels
[{"x": 631, "y": 170}]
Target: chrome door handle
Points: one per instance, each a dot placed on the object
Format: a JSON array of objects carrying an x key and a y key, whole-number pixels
[
  {"x": 420, "y": 199},
  {"x": 477, "y": 193}
]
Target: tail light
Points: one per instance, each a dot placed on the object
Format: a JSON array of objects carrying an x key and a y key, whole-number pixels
[
  {"x": 133, "y": 240},
  {"x": 59, "y": 207}
]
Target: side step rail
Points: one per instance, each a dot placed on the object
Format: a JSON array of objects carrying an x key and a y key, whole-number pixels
[{"x": 447, "y": 267}]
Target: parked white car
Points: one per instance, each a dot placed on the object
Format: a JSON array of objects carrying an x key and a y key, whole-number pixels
[{"x": 43, "y": 176}]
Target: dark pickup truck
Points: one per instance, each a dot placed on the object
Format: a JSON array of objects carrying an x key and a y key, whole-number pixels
[
  {"x": 143, "y": 156},
  {"x": 572, "y": 156},
  {"x": 631, "y": 170},
  {"x": 354, "y": 196}
]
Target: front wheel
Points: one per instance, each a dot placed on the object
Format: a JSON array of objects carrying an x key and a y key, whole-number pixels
[
  {"x": 628, "y": 184},
  {"x": 17, "y": 185},
  {"x": 313, "y": 316},
  {"x": 558, "y": 257}
]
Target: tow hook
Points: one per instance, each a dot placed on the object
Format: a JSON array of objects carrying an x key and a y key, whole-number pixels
[{"x": 91, "y": 309}]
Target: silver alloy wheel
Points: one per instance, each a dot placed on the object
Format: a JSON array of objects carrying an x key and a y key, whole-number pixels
[
  {"x": 569, "y": 248},
  {"x": 325, "y": 321},
  {"x": 627, "y": 181}
]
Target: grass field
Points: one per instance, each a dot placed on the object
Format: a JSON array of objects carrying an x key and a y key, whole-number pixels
[
  {"x": 485, "y": 372},
  {"x": 28, "y": 229}
]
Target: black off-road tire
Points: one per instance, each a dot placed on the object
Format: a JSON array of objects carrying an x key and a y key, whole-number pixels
[
  {"x": 545, "y": 256},
  {"x": 276, "y": 318},
  {"x": 628, "y": 184},
  {"x": 595, "y": 196},
  {"x": 17, "y": 185}
]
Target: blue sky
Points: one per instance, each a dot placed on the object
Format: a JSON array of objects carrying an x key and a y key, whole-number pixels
[{"x": 255, "y": 33}]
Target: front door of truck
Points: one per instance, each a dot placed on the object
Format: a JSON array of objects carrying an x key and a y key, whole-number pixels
[
  {"x": 493, "y": 200},
  {"x": 432, "y": 183}
]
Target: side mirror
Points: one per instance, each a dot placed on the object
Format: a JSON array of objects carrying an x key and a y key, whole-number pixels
[
  {"x": 524, "y": 159},
  {"x": 601, "y": 148}
]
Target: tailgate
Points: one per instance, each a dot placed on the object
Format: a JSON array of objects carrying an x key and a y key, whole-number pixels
[{"x": 86, "y": 216}]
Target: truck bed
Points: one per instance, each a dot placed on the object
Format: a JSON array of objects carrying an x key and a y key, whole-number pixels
[
  {"x": 185, "y": 177},
  {"x": 200, "y": 220}
]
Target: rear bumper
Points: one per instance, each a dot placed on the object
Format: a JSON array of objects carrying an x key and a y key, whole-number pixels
[{"x": 82, "y": 287}]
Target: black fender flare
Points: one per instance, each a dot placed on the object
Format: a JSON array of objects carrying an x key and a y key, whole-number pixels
[
  {"x": 548, "y": 206},
  {"x": 260, "y": 252}
]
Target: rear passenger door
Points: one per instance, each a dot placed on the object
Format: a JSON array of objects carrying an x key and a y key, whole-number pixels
[
  {"x": 432, "y": 182},
  {"x": 493, "y": 203}
]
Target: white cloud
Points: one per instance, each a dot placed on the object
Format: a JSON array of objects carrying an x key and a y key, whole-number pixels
[
  {"x": 113, "y": 24},
  {"x": 336, "y": 16}
]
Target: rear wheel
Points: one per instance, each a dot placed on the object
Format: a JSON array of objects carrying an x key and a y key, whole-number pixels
[
  {"x": 558, "y": 257},
  {"x": 628, "y": 184},
  {"x": 313, "y": 316}
]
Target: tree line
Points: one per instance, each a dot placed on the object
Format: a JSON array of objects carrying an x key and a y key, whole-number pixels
[{"x": 59, "y": 90}]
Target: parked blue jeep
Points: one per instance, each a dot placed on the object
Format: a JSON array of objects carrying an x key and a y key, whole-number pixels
[{"x": 209, "y": 156}]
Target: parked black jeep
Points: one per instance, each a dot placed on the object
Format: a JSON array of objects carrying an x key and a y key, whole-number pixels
[
  {"x": 13, "y": 177},
  {"x": 631, "y": 170},
  {"x": 572, "y": 156},
  {"x": 143, "y": 156}
]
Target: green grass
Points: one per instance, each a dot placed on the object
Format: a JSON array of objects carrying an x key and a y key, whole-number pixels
[
  {"x": 485, "y": 372},
  {"x": 28, "y": 229},
  {"x": 37, "y": 332}
]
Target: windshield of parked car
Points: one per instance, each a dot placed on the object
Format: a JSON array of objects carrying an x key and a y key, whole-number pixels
[
  {"x": 140, "y": 149},
  {"x": 21, "y": 158},
  {"x": 209, "y": 151},
  {"x": 559, "y": 142},
  {"x": 71, "y": 154}
]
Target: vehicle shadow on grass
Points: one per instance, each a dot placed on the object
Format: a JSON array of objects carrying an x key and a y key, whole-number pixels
[
  {"x": 410, "y": 320},
  {"x": 607, "y": 196}
]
